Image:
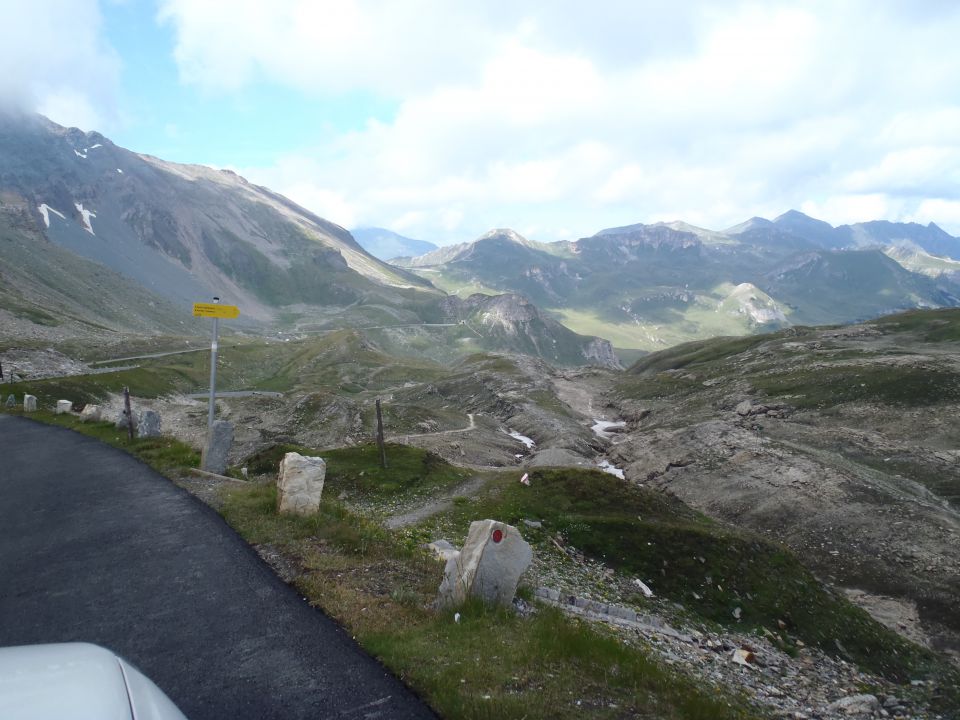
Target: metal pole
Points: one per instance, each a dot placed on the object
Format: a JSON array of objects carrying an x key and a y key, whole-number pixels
[
  {"x": 128, "y": 412},
  {"x": 213, "y": 371}
]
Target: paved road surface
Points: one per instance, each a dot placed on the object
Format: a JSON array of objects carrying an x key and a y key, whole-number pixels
[{"x": 95, "y": 546}]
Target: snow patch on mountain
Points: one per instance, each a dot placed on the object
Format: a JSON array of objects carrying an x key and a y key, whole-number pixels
[
  {"x": 45, "y": 210},
  {"x": 85, "y": 216}
]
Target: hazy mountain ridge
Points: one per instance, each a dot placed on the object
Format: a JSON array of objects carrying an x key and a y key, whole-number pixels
[{"x": 385, "y": 244}]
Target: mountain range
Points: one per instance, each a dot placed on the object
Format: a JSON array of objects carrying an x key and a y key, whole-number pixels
[
  {"x": 652, "y": 286},
  {"x": 99, "y": 239}
]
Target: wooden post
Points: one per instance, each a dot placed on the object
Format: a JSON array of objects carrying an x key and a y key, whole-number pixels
[
  {"x": 383, "y": 450},
  {"x": 127, "y": 411}
]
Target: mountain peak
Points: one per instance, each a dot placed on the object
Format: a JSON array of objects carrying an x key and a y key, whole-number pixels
[
  {"x": 751, "y": 224},
  {"x": 795, "y": 216},
  {"x": 504, "y": 234}
]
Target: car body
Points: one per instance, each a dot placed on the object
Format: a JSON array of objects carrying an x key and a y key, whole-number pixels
[{"x": 79, "y": 681}]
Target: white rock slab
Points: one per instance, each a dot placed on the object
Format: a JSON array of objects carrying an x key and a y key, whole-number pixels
[
  {"x": 64, "y": 407},
  {"x": 300, "y": 483},
  {"x": 488, "y": 567},
  {"x": 29, "y": 403}
]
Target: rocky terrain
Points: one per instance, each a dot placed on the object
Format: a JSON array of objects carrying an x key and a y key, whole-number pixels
[{"x": 837, "y": 442}]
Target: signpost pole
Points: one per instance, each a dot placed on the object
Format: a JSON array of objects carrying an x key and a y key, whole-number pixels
[{"x": 213, "y": 371}]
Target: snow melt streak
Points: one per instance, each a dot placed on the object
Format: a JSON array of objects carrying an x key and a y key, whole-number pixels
[
  {"x": 86, "y": 215},
  {"x": 522, "y": 438},
  {"x": 45, "y": 210}
]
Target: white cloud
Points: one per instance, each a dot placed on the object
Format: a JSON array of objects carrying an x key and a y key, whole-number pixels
[
  {"x": 568, "y": 117},
  {"x": 56, "y": 62}
]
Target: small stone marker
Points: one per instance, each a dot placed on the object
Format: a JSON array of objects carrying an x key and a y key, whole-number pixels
[
  {"x": 64, "y": 407},
  {"x": 29, "y": 403},
  {"x": 489, "y": 566},
  {"x": 11, "y": 401},
  {"x": 122, "y": 422},
  {"x": 90, "y": 413},
  {"x": 149, "y": 426},
  {"x": 218, "y": 447},
  {"x": 300, "y": 483}
]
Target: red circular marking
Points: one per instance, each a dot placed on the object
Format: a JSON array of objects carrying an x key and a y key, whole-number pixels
[{"x": 497, "y": 535}]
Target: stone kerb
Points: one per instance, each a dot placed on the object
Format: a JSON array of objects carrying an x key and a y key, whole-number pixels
[
  {"x": 300, "y": 483},
  {"x": 29, "y": 403},
  {"x": 64, "y": 407},
  {"x": 488, "y": 567}
]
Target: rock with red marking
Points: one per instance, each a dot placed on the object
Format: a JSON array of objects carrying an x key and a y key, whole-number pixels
[{"x": 488, "y": 567}]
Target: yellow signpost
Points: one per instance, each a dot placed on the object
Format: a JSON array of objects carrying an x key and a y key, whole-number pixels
[{"x": 214, "y": 310}]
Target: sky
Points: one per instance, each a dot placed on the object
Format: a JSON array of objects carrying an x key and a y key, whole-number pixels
[{"x": 557, "y": 118}]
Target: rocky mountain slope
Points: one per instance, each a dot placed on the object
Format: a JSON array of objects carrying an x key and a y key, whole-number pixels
[
  {"x": 111, "y": 241},
  {"x": 652, "y": 286},
  {"x": 185, "y": 232},
  {"x": 839, "y": 442}
]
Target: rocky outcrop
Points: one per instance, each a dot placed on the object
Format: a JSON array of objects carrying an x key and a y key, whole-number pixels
[
  {"x": 513, "y": 323},
  {"x": 600, "y": 352}
]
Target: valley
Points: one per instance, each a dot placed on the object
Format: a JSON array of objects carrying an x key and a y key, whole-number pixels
[
  {"x": 770, "y": 481},
  {"x": 741, "y": 441}
]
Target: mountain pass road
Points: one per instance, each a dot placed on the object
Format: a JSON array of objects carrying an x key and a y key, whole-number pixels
[{"x": 97, "y": 547}]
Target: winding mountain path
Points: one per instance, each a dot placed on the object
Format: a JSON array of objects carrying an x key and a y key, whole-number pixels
[{"x": 97, "y": 547}]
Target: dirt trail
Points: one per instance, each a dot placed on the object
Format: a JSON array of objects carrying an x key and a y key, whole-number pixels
[
  {"x": 436, "y": 505},
  {"x": 468, "y": 428}
]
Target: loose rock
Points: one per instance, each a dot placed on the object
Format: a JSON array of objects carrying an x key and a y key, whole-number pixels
[
  {"x": 218, "y": 447},
  {"x": 489, "y": 566},
  {"x": 855, "y": 705},
  {"x": 149, "y": 424},
  {"x": 300, "y": 483},
  {"x": 90, "y": 413},
  {"x": 123, "y": 422}
]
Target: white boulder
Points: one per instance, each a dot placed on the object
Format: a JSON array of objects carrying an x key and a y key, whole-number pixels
[
  {"x": 90, "y": 413},
  {"x": 300, "y": 483},
  {"x": 488, "y": 567},
  {"x": 64, "y": 407},
  {"x": 29, "y": 403},
  {"x": 855, "y": 705}
]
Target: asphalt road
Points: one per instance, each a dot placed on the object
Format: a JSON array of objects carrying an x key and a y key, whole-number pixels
[{"x": 95, "y": 546}]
